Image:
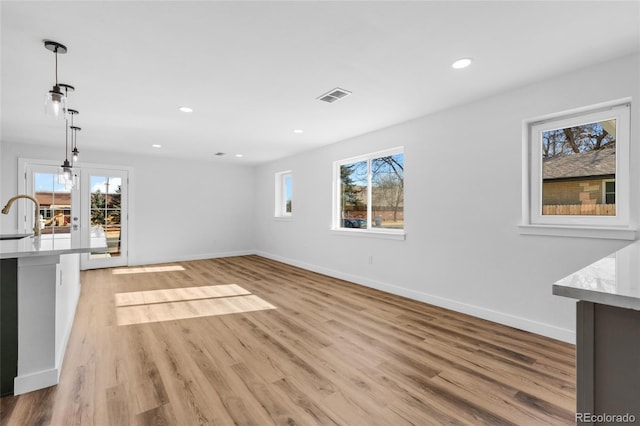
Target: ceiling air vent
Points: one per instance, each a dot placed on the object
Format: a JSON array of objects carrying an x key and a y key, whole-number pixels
[
  {"x": 219, "y": 154},
  {"x": 334, "y": 95}
]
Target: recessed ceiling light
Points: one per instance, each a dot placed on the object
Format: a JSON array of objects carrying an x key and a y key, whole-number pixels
[
  {"x": 298, "y": 131},
  {"x": 461, "y": 63},
  {"x": 185, "y": 109},
  {"x": 239, "y": 155},
  {"x": 155, "y": 145}
]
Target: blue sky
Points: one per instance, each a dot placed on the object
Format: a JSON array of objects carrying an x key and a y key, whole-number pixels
[
  {"x": 287, "y": 188},
  {"x": 48, "y": 182},
  {"x": 100, "y": 183}
]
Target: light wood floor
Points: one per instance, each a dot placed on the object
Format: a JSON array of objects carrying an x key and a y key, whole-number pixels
[{"x": 331, "y": 353}]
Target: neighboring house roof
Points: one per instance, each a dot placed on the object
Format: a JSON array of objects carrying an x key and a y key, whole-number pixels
[
  {"x": 61, "y": 198},
  {"x": 591, "y": 163}
]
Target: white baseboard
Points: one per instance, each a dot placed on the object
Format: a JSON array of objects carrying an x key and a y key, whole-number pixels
[
  {"x": 35, "y": 381},
  {"x": 520, "y": 323},
  {"x": 202, "y": 256}
]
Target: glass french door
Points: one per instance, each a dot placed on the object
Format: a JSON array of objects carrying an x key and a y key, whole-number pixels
[
  {"x": 104, "y": 216},
  {"x": 93, "y": 210}
]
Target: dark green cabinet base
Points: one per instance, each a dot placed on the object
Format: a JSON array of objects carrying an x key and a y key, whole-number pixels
[
  {"x": 608, "y": 363},
  {"x": 8, "y": 324}
]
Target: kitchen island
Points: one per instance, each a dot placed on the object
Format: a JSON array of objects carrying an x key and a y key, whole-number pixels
[
  {"x": 607, "y": 337},
  {"x": 39, "y": 292}
]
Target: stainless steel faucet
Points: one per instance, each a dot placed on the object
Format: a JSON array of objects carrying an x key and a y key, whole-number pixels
[{"x": 36, "y": 214}]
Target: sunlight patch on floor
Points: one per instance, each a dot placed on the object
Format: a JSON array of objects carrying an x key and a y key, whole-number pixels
[
  {"x": 237, "y": 300},
  {"x": 146, "y": 269},
  {"x": 178, "y": 294}
]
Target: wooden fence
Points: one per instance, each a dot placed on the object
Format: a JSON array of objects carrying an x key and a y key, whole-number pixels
[{"x": 580, "y": 209}]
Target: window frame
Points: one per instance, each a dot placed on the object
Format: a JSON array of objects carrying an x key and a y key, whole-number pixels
[
  {"x": 533, "y": 221},
  {"x": 281, "y": 195},
  {"x": 369, "y": 231}
]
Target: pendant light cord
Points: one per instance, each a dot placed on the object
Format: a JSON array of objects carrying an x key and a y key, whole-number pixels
[
  {"x": 56, "y": 65},
  {"x": 66, "y": 138},
  {"x": 66, "y": 119},
  {"x": 73, "y": 135}
]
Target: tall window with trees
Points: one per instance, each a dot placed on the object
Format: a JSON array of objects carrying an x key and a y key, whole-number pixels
[
  {"x": 370, "y": 192},
  {"x": 579, "y": 168}
]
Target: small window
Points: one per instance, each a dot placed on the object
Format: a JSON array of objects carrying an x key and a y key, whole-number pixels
[
  {"x": 283, "y": 191},
  {"x": 370, "y": 192},
  {"x": 578, "y": 169},
  {"x": 609, "y": 192}
]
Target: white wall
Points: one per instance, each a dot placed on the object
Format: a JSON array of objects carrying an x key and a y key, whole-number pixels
[
  {"x": 462, "y": 207},
  {"x": 463, "y": 198},
  {"x": 179, "y": 209}
]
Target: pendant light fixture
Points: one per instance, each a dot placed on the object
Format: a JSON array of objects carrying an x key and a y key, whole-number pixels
[
  {"x": 56, "y": 105},
  {"x": 55, "y": 101},
  {"x": 75, "y": 153},
  {"x": 74, "y": 136},
  {"x": 67, "y": 168}
]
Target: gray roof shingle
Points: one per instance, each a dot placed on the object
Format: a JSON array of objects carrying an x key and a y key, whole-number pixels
[{"x": 591, "y": 163}]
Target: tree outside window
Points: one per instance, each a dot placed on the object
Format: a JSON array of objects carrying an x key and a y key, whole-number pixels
[
  {"x": 371, "y": 192},
  {"x": 577, "y": 162}
]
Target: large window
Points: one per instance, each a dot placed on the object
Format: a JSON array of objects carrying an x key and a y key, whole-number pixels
[
  {"x": 369, "y": 192},
  {"x": 283, "y": 191},
  {"x": 578, "y": 169}
]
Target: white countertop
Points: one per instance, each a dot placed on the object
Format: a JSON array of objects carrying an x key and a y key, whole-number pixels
[
  {"x": 48, "y": 245},
  {"x": 613, "y": 280}
]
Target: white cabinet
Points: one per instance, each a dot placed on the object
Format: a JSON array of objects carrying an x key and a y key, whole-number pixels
[{"x": 48, "y": 290}]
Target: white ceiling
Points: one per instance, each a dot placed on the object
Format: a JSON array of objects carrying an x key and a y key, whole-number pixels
[{"x": 252, "y": 70}]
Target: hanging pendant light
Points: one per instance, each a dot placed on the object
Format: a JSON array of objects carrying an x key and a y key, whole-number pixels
[
  {"x": 74, "y": 136},
  {"x": 66, "y": 177},
  {"x": 55, "y": 101},
  {"x": 74, "y": 152},
  {"x": 67, "y": 168}
]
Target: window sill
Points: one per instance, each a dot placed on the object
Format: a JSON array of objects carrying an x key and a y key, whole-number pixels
[
  {"x": 283, "y": 218},
  {"x": 398, "y": 236},
  {"x": 609, "y": 233}
]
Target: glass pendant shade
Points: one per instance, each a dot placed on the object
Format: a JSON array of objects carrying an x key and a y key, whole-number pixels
[
  {"x": 66, "y": 176},
  {"x": 76, "y": 154},
  {"x": 55, "y": 103},
  {"x": 67, "y": 170},
  {"x": 68, "y": 182}
]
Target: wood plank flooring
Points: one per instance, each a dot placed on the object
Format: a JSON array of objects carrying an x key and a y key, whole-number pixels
[{"x": 331, "y": 353}]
